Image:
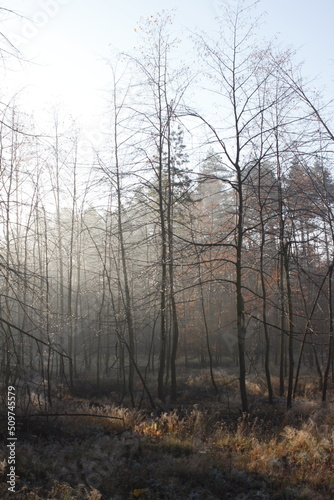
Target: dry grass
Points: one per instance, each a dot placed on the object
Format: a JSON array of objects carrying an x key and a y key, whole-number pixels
[{"x": 203, "y": 451}]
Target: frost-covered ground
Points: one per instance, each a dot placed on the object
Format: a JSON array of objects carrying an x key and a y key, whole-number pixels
[{"x": 206, "y": 450}]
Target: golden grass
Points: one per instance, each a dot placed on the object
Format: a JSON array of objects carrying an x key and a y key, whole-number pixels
[{"x": 203, "y": 451}]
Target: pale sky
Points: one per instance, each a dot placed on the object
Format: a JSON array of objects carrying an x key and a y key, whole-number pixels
[{"x": 69, "y": 39}]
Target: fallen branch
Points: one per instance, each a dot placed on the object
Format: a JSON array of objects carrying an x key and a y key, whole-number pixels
[{"x": 74, "y": 415}]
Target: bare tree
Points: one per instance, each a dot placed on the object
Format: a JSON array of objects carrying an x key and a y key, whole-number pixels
[
  {"x": 163, "y": 87},
  {"x": 240, "y": 74}
]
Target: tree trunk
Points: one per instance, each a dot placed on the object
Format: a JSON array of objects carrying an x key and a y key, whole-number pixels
[
  {"x": 290, "y": 323},
  {"x": 331, "y": 331},
  {"x": 241, "y": 329}
]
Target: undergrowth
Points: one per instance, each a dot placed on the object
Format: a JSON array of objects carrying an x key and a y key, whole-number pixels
[{"x": 208, "y": 450}]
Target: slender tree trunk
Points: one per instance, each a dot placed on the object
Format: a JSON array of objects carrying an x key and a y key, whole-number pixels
[
  {"x": 48, "y": 329},
  {"x": 306, "y": 333},
  {"x": 128, "y": 305},
  {"x": 263, "y": 288},
  {"x": 71, "y": 340},
  {"x": 241, "y": 329},
  {"x": 290, "y": 323},
  {"x": 163, "y": 263},
  {"x": 214, "y": 385},
  {"x": 175, "y": 324},
  {"x": 281, "y": 271},
  {"x": 331, "y": 332},
  {"x": 264, "y": 315}
]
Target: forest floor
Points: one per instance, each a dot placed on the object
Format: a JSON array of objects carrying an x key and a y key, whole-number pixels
[{"x": 202, "y": 448}]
